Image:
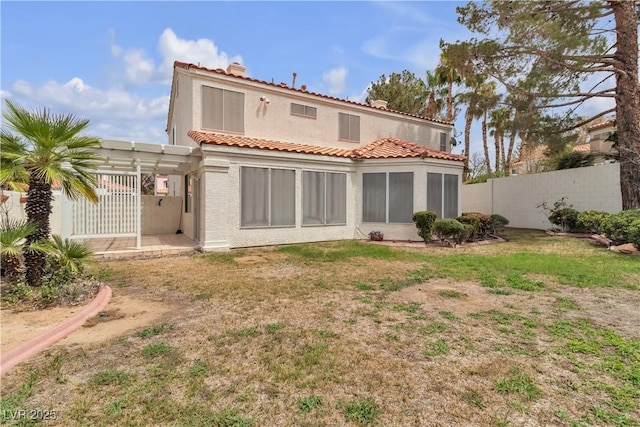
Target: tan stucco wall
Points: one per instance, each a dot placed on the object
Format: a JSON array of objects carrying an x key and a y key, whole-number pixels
[
  {"x": 15, "y": 210},
  {"x": 274, "y": 120},
  {"x": 160, "y": 214}
]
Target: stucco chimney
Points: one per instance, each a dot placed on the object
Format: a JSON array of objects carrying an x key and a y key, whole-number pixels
[
  {"x": 379, "y": 103},
  {"x": 236, "y": 69}
]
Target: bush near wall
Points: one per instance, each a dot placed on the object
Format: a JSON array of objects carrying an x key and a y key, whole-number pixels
[
  {"x": 451, "y": 231},
  {"x": 620, "y": 228},
  {"x": 592, "y": 220},
  {"x": 424, "y": 223}
]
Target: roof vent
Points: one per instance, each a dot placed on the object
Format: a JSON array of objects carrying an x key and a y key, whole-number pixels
[
  {"x": 379, "y": 103},
  {"x": 236, "y": 69},
  {"x": 303, "y": 88}
]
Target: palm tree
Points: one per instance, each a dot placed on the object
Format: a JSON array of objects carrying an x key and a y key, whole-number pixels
[
  {"x": 448, "y": 75},
  {"x": 48, "y": 148},
  {"x": 12, "y": 235},
  {"x": 68, "y": 254},
  {"x": 500, "y": 121},
  {"x": 472, "y": 98},
  {"x": 435, "y": 103}
]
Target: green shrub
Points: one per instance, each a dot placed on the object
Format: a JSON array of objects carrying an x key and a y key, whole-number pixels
[
  {"x": 634, "y": 233},
  {"x": 565, "y": 218},
  {"x": 591, "y": 220},
  {"x": 424, "y": 221},
  {"x": 472, "y": 222},
  {"x": 499, "y": 223},
  {"x": 574, "y": 159},
  {"x": 485, "y": 226},
  {"x": 617, "y": 227},
  {"x": 451, "y": 231}
]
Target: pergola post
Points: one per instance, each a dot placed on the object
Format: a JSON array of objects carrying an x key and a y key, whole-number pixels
[{"x": 138, "y": 205}]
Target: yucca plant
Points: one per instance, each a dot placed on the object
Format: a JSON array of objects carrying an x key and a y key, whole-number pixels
[
  {"x": 47, "y": 148},
  {"x": 12, "y": 237},
  {"x": 65, "y": 253}
]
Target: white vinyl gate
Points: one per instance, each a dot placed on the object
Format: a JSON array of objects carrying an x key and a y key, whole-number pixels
[{"x": 117, "y": 212}]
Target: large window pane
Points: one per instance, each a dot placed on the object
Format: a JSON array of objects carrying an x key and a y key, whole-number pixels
[
  {"x": 313, "y": 197},
  {"x": 450, "y": 196},
  {"x": 212, "y": 108},
  {"x": 374, "y": 197},
  {"x": 401, "y": 197},
  {"x": 233, "y": 111},
  {"x": 348, "y": 127},
  {"x": 434, "y": 193},
  {"x": 283, "y": 190},
  {"x": 222, "y": 109},
  {"x": 336, "y": 184},
  {"x": 254, "y": 195}
]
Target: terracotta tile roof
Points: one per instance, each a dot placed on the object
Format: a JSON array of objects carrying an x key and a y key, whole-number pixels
[
  {"x": 394, "y": 148},
  {"x": 187, "y": 66},
  {"x": 607, "y": 123},
  {"x": 582, "y": 148},
  {"x": 385, "y": 148}
]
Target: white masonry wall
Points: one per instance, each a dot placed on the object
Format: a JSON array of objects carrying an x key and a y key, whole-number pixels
[{"x": 517, "y": 197}]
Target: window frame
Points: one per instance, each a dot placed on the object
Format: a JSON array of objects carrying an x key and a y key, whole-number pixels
[
  {"x": 325, "y": 203},
  {"x": 443, "y": 213},
  {"x": 349, "y": 117},
  {"x": 443, "y": 140},
  {"x": 304, "y": 113},
  {"x": 387, "y": 191},
  {"x": 269, "y": 199},
  {"x": 225, "y": 125}
]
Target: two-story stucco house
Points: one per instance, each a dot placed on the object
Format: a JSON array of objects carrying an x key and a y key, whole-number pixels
[{"x": 283, "y": 165}]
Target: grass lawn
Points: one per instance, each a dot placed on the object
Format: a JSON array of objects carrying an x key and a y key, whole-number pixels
[{"x": 539, "y": 330}]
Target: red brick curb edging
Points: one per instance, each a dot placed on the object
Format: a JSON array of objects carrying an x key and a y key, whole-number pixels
[{"x": 46, "y": 339}]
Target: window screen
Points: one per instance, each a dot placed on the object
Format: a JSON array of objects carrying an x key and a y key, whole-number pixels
[
  {"x": 336, "y": 184},
  {"x": 313, "y": 198},
  {"x": 222, "y": 109},
  {"x": 443, "y": 141},
  {"x": 450, "y": 196},
  {"x": 401, "y": 197},
  {"x": 434, "y": 193},
  {"x": 324, "y": 198},
  {"x": 348, "y": 127},
  {"x": 283, "y": 190},
  {"x": 374, "y": 197},
  {"x": 267, "y": 197}
]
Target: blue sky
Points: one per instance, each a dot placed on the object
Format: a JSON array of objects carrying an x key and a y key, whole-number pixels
[{"x": 111, "y": 62}]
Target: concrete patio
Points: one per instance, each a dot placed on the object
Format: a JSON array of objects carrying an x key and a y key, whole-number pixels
[{"x": 152, "y": 245}]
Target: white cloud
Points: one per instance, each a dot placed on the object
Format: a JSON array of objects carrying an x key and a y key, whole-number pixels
[
  {"x": 140, "y": 68},
  {"x": 202, "y": 51},
  {"x": 5, "y": 94},
  {"x": 334, "y": 80},
  {"x": 360, "y": 97}
]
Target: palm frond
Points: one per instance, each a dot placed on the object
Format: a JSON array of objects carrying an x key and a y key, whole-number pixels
[
  {"x": 12, "y": 235},
  {"x": 68, "y": 253}
]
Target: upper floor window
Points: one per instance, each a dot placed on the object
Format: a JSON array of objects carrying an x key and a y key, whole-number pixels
[
  {"x": 443, "y": 141},
  {"x": 348, "y": 127},
  {"x": 222, "y": 109},
  {"x": 304, "y": 110}
]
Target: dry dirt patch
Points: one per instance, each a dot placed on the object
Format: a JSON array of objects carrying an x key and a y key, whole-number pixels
[
  {"x": 474, "y": 297},
  {"x": 124, "y": 313}
]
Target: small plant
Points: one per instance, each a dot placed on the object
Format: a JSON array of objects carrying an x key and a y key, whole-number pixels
[
  {"x": 518, "y": 382},
  {"x": 157, "y": 349},
  {"x": 436, "y": 348},
  {"x": 499, "y": 223},
  {"x": 376, "y": 236},
  {"x": 424, "y": 221},
  {"x": 363, "y": 412},
  {"x": 474, "y": 227},
  {"x": 309, "y": 403},
  {"x": 485, "y": 227},
  {"x": 592, "y": 220},
  {"x": 561, "y": 214},
  {"x": 152, "y": 331},
  {"x": 634, "y": 233}
]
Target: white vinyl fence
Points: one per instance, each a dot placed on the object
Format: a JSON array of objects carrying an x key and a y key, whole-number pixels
[{"x": 517, "y": 197}]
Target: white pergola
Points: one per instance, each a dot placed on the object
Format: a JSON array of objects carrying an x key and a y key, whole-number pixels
[{"x": 118, "y": 212}]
